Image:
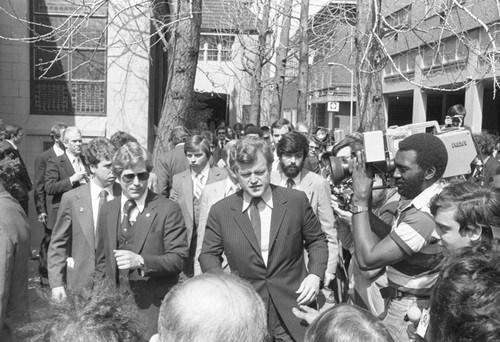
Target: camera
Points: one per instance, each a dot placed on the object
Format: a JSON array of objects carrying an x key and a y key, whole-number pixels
[
  {"x": 381, "y": 147},
  {"x": 343, "y": 192}
]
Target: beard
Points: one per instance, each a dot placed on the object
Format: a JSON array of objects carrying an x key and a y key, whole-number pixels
[
  {"x": 411, "y": 188},
  {"x": 292, "y": 170}
]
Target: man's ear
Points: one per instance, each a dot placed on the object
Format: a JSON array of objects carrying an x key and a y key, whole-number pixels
[
  {"x": 430, "y": 173},
  {"x": 475, "y": 233},
  {"x": 154, "y": 338},
  {"x": 92, "y": 168}
]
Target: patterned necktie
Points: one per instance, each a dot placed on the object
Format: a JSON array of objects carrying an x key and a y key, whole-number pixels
[
  {"x": 102, "y": 199},
  {"x": 255, "y": 217},
  {"x": 198, "y": 185},
  {"x": 290, "y": 183},
  {"x": 127, "y": 209}
]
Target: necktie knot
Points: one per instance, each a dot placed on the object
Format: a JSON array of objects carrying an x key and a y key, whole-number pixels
[
  {"x": 129, "y": 205},
  {"x": 255, "y": 201},
  {"x": 103, "y": 194},
  {"x": 290, "y": 183}
]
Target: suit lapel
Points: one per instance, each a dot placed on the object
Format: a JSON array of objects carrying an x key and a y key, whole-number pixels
[
  {"x": 244, "y": 224},
  {"x": 306, "y": 183},
  {"x": 86, "y": 218},
  {"x": 144, "y": 221},
  {"x": 66, "y": 165},
  {"x": 279, "y": 211},
  {"x": 188, "y": 190},
  {"x": 113, "y": 223}
]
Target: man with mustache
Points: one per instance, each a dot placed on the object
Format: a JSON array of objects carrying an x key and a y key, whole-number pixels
[{"x": 410, "y": 251}]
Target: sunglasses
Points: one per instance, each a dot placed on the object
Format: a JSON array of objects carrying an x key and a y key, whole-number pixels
[{"x": 131, "y": 176}]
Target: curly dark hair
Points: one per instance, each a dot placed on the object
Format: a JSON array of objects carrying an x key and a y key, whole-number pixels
[
  {"x": 466, "y": 298},
  {"x": 430, "y": 150},
  {"x": 291, "y": 143},
  {"x": 101, "y": 314}
]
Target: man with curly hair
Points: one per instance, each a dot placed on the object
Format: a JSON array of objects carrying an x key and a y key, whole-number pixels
[{"x": 410, "y": 251}]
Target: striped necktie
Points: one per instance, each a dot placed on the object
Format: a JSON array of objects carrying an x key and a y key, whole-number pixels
[{"x": 198, "y": 185}]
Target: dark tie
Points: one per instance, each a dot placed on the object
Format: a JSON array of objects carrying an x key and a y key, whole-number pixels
[
  {"x": 255, "y": 217},
  {"x": 127, "y": 209},
  {"x": 102, "y": 199},
  {"x": 290, "y": 183}
]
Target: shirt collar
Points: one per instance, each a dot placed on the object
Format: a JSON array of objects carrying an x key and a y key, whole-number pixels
[
  {"x": 203, "y": 172},
  {"x": 140, "y": 202},
  {"x": 12, "y": 143},
  {"x": 296, "y": 179},
  {"x": 230, "y": 184},
  {"x": 57, "y": 150},
  {"x": 423, "y": 199},
  {"x": 71, "y": 156},
  {"x": 267, "y": 198},
  {"x": 95, "y": 190}
]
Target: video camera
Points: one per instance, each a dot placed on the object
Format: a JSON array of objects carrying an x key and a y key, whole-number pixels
[{"x": 380, "y": 149}]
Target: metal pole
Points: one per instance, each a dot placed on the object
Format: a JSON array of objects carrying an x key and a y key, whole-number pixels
[{"x": 352, "y": 96}]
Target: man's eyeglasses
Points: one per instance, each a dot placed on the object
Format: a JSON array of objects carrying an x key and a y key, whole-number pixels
[{"x": 131, "y": 176}]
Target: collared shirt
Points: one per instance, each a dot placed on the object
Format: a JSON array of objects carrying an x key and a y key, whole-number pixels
[
  {"x": 231, "y": 188},
  {"x": 58, "y": 151},
  {"x": 76, "y": 162},
  {"x": 265, "y": 210},
  {"x": 276, "y": 161},
  {"x": 139, "y": 208},
  {"x": 12, "y": 143},
  {"x": 414, "y": 232},
  {"x": 204, "y": 173},
  {"x": 296, "y": 180},
  {"x": 95, "y": 191}
]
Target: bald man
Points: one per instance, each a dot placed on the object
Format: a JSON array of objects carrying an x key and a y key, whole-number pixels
[{"x": 212, "y": 308}]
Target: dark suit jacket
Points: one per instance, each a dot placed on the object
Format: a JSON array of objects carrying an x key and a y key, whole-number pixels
[
  {"x": 160, "y": 238},
  {"x": 23, "y": 182},
  {"x": 74, "y": 236},
  {"x": 182, "y": 193},
  {"x": 40, "y": 195},
  {"x": 293, "y": 228},
  {"x": 57, "y": 175},
  {"x": 169, "y": 164},
  {"x": 14, "y": 254},
  {"x": 490, "y": 169}
]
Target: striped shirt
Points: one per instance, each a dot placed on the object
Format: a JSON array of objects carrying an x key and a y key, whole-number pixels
[{"x": 414, "y": 232}]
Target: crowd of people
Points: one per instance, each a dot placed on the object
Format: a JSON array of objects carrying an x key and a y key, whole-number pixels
[{"x": 241, "y": 235}]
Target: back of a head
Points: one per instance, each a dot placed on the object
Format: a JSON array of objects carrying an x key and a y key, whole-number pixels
[
  {"x": 465, "y": 304},
  {"x": 212, "y": 308},
  {"x": 457, "y": 109},
  {"x": 347, "y": 323}
]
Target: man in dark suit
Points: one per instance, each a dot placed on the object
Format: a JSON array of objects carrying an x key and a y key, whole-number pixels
[
  {"x": 14, "y": 135},
  {"x": 487, "y": 167},
  {"x": 220, "y": 139},
  {"x": 172, "y": 161},
  {"x": 188, "y": 187},
  {"x": 142, "y": 238},
  {"x": 263, "y": 231},
  {"x": 14, "y": 254},
  {"x": 40, "y": 195},
  {"x": 72, "y": 248},
  {"x": 67, "y": 171}
]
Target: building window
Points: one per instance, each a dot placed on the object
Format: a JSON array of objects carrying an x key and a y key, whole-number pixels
[
  {"x": 216, "y": 48},
  {"x": 68, "y": 58},
  {"x": 400, "y": 19}
]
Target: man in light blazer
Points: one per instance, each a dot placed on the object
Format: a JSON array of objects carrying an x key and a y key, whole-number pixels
[
  {"x": 263, "y": 231},
  {"x": 212, "y": 194},
  {"x": 292, "y": 152},
  {"x": 142, "y": 238},
  {"x": 188, "y": 186},
  {"x": 72, "y": 249}
]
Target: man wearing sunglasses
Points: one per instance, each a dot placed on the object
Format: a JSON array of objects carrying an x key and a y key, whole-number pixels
[{"x": 142, "y": 237}]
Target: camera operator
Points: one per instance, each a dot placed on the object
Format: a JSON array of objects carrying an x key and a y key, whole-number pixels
[{"x": 410, "y": 252}]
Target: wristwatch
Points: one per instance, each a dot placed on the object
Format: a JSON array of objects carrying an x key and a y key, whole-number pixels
[{"x": 355, "y": 209}]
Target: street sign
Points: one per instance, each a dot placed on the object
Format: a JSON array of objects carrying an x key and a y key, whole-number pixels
[{"x": 333, "y": 106}]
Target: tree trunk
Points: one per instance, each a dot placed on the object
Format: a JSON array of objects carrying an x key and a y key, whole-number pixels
[
  {"x": 259, "y": 61},
  {"x": 370, "y": 100},
  {"x": 303, "y": 62},
  {"x": 183, "y": 48},
  {"x": 281, "y": 60}
]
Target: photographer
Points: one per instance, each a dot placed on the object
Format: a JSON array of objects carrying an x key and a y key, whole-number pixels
[{"x": 410, "y": 251}]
